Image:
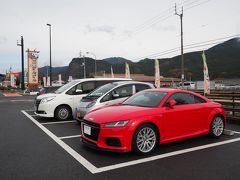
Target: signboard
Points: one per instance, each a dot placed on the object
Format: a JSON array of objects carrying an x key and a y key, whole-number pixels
[{"x": 32, "y": 66}]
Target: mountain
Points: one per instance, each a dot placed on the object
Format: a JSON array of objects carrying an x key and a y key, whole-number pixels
[
  {"x": 223, "y": 62},
  {"x": 55, "y": 71},
  {"x": 117, "y": 60}
]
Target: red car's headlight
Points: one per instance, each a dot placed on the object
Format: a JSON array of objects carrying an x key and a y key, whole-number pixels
[{"x": 116, "y": 124}]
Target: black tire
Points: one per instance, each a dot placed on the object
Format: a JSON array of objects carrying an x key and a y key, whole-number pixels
[
  {"x": 62, "y": 113},
  {"x": 217, "y": 126},
  {"x": 138, "y": 144}
]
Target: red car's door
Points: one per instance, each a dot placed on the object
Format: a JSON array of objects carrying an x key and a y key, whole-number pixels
[{"x": 183, "y": 120}]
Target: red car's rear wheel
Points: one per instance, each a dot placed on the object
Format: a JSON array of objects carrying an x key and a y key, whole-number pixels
[{"x": 217, "y": 126}]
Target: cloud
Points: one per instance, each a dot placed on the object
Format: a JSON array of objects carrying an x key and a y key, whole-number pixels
[
  {"x": 3, "y": 40},
  {"x": 105, "y": 29}
]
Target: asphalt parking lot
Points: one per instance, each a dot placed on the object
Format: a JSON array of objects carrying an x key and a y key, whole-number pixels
[{"x": 39, "y": 148}]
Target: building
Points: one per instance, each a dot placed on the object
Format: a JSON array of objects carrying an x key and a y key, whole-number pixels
[{"x": 165, "y": 81}]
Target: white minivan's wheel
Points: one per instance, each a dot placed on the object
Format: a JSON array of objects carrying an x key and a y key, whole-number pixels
[
  {"x": 62, "y": 113},
  {"x": 145, "y": 139},
  {"x": 217, "y": 126}
]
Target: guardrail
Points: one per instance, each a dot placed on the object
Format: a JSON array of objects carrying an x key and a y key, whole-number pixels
[{"x": 230, "y": 101}]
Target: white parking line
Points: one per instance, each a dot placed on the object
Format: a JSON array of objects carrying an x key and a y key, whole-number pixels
[
  {"x": 93, "y": 169},
  {"x": 161, "y": 156},
  {"x": 236, "y": 132},
  {"x": 68, "y": 137},
  {"x": 67, "y": 148},
  {"x": 34, "y": 115},
  {"x": 58, "y": 122},
  {"x": 22, "y": 100}
]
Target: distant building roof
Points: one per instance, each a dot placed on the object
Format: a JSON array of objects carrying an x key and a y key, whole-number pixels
[{"x": 144, "y": 78}]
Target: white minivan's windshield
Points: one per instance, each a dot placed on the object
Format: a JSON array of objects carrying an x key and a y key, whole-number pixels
[
  {"x": 65, "y": 87},
  {"x": 102, "y": 90}
]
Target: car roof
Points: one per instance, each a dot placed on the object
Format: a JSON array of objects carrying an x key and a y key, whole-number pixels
[
  {"x": 130, "y": 82},
  {"x": 169, "y": 90},
  {"x": 101, "y": 79}
]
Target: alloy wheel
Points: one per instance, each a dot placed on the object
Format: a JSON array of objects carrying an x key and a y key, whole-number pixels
[
  {"x": 217, "y": 126},
  {"x": 146, "y": 139}
]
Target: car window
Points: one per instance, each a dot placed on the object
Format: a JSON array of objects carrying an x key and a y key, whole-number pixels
[
  {"x": 182, "y": 98},
  {"x": 86, "y": 87},
  {"x": 65, "y": 87},
  {"x": 198, "y": 100},
  {"x": 119, "y": 92},
  {"x": 146, "y": 99},
  {"x": 124, "y": 91},
  {"x": 102, "y": 90},
  {"x": 140, "y": 87},
  {"x": 71, "y": 91}
]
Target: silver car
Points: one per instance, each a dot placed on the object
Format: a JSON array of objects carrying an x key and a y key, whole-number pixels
[{"x": 109, "y": 94}]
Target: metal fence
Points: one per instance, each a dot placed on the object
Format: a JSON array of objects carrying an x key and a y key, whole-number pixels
[{"x": 230, "y": 101}]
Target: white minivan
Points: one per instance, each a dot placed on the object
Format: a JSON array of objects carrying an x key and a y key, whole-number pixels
[{"x": 62, "y": 104}]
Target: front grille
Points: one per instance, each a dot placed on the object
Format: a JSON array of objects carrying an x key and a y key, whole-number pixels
[
  {"x": 37, "y": 102},
  {"x": 95, "y": 130}
]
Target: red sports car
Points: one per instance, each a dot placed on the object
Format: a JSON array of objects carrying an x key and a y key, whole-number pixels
[{"x": 152, "y": 117}]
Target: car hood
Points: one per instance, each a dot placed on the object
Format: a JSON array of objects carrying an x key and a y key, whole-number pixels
[
  {"x": 116, "y": 113},
  {"x": 46, "y": 95}
]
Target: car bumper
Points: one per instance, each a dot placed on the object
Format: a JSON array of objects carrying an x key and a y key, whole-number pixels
[
  {"x": 109, "y": 139},
  {"x": 45, "y": 110},
  {"x": 80, "y": 113}
]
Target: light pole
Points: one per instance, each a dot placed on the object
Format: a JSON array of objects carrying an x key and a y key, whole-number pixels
[
  {"x": 22, "y": 54},
  {"x": 84, "y": 67},
  {"x": 182, "y": 59},
  {"x": 50, "y": 53},
  {"x": 95, "y": 72}
]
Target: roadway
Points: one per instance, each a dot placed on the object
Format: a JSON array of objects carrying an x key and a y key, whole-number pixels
[{"x": 38, "y": 148}]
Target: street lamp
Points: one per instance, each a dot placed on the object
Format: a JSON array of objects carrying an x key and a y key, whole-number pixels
[
  {"x": 84, "y": 67},
  {"x": 50, "y": 45},
  {"x": 95, "y": 72},
  {"x": 22, "y": 53}
]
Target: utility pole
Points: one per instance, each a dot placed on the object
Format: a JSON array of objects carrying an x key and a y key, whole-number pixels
[
  {"x": 182, "y": 58},
  {"x": 50, "y": 51},
  {"x": 22, "y": 54}
]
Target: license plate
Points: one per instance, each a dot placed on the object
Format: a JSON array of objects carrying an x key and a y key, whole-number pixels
[
  {"x": 78, "y": 114},
  {"x": 87, "y": 129}
]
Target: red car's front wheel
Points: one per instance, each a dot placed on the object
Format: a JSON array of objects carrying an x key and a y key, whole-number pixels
[{"x": 145, "y": 139}]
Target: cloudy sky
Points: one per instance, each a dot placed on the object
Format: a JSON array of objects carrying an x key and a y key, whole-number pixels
[{"x": 132, "y": 29}]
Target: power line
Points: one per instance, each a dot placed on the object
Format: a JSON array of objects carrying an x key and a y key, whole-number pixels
[
  {"x": 189, "y": 46},
  {"x": 166, "y": 14}
]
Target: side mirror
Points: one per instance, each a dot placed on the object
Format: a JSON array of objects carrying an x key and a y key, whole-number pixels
[
  {"x": 172, "y": 103},
  {"x": 115, "y": 95},
  {"x": 79, "y": 91}
]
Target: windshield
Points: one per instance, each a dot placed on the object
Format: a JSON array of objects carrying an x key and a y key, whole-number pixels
[
  {"x": 146, "y": 99},
  {"x": 102, "y": 90},
  {"x": 65, "y": 87}
]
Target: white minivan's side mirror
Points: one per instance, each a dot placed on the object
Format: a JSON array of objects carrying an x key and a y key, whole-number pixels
[{"x": 79, "y": 91}]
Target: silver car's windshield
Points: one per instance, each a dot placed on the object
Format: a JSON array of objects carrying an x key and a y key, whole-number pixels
[
  {"x": 146, "y": 99},
  {"x": 65, "y": 87},
  {"x": 102, "y": 90}
]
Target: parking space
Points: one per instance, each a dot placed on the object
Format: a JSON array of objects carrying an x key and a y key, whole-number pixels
[{"x": 66, "y": 134}]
